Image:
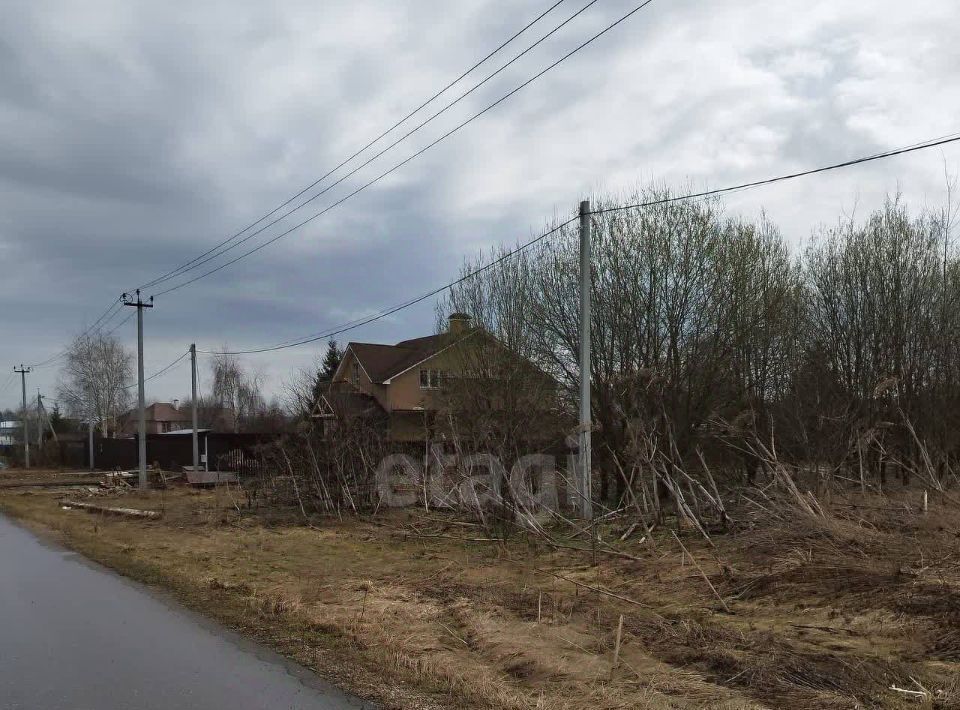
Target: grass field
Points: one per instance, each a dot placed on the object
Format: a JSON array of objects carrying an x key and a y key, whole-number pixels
[{"x": 422, "y": 609}]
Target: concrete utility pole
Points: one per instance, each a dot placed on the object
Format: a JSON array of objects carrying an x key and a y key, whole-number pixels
[
  {"x": 193, "y": 399},
  {"x": 586, "y": 473},
  {"x": 26, "y": 429},
  {"x": 140, "y": 305},
  {"x": 90, "y": 440},
  {"x": 39, "y": 422},
  {"x": 45, "y": 415}
]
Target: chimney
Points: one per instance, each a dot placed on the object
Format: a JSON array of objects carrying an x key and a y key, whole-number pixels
[
  {"x": 458, "y": 323},
  {"x": 176, "y": 404}
]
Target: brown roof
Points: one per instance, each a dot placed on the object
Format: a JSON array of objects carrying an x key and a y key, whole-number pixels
[
  {"x": 381, "y": 362},
  {"x": 166, "y": 412},
  {"x": 345, "y": 401}
]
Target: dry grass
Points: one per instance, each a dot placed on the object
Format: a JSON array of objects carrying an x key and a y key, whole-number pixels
[{"x": 825, "y": 614}]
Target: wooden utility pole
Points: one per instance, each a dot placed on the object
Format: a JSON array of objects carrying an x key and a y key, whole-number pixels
[
  {"x": 140, "y": 305},
  {"x": 26, "y": 429}
]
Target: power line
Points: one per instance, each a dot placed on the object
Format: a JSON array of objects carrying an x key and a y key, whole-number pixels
[
  {"x": 420, "y": 152},
  {"x": 99, "y": 324},
  {"x": 180, "y": 269},
  {"x": 193, "y": 263},
  {"x": 161, "y": 371},
  {"x": 390, "y": 311},
  {"x": 65, "y": 352},
  {"x": 167, "y": 368},
  {"x": 354, "y": 171},
  {"x": 6, "y": 383},
  {"x": 951, "y": 138},
  {"x": 337, "y": 330},
  {"x": 119, "y": 325}
]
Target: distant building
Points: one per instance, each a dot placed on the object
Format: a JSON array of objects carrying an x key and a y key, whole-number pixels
[
  {"x": 397, "y": 386},
  {"x": 10, "y": 432},
  {"x": 166, "y": 417}
]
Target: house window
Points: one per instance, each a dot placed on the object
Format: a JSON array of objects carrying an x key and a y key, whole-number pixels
[
  {"x": 355, "y": 374},
  {"x": 431, "y": 379}
]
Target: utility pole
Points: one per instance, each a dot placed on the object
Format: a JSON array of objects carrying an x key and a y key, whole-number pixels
[
  {"x": 26, "y": 430},
  {"x": 193, "y": 399},
  {"x": 46, "y": 415},
  {"x": 586, "y": 473},
  {"x": 140, "y": 305},
  {"x": 90, "y": 440},
  {"x": 39, "y": 423}
]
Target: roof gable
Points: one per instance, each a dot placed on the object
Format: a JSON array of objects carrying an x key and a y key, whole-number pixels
[
  {"x": 381, "y": 362},
  {"x": 340, "y": 399},
  {"x": 436, "y": 347}
]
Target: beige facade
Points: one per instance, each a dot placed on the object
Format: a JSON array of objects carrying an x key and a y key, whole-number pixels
[
  {"x": 403, "y": 379},
  {"x": 164, "y": 417},
  {"x": 160, "y": 418}
]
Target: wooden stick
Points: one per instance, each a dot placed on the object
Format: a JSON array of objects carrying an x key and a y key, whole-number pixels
[
  {"x": 56, "y": 483},
  {"x": 604, "y": 548},
  {"x": 600, "y": 590},
  {"x": 616, "y": 646},
  {"x": 702, "y": 573},
  {"x": 912, "y": 693},
  {"x": 629, "y": 531},
  {"x": 449, "y": 631},
  {"x": 128, "y": 512}
]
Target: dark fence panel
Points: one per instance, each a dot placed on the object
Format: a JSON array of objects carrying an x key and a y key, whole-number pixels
[
  {"x": 225, "y": 451},
  {"x": 112, "y": 454},
  {"x": 73, "y": 454},
  {"x": 237, "y": 452}
]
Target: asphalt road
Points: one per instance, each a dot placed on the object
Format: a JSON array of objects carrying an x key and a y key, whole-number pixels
[{"x": 74, "y": 636}]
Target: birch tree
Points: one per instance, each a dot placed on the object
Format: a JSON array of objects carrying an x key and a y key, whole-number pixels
[{"x": 95, "y": 380}]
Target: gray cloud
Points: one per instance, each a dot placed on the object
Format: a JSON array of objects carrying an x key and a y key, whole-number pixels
[{"x": 134, "y": 136}]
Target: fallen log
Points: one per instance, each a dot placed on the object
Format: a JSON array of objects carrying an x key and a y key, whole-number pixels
[
  {"x": 54, "y": 483},
  {"x": 127, "y": 512}
]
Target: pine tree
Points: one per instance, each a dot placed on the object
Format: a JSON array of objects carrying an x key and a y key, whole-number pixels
[
  {"x": 56, "y": 418},
  {"x": 331, "y": 361}
]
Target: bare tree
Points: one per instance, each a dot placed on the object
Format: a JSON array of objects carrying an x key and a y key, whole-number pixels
[
  {"x": 95, "y": 380},
  {"x": 703, "y": 305},
  {"x": 299, "y": 396},
  {"x": 717, "y": 349},
  {"x": 238, "y": 390}
]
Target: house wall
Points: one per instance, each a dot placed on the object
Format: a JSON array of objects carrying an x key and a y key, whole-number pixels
[
  {"x": 346, "y": 373},
  {"x": 405, "y": 392},
  {"x": 380, "y": 392},
  {"x": 403, "y": 399},
  {"x": 130, "y": 424},
  {"x": 405, "y": 395}
]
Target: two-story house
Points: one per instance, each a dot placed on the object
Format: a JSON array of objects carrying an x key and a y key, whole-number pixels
[{"x": 396, "y": 383}]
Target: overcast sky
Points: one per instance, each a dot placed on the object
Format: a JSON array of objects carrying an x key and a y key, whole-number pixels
[{"x": 135, "y": 135}]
